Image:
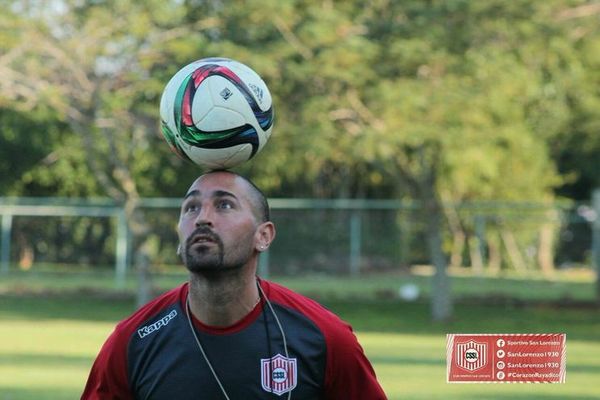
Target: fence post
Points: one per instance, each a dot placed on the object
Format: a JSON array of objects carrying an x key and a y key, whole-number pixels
[
  {"x": 355, "y": 239},
  {"x": 5, "y": 246},
  {"x": 121, "y": 249},
  {"x": 404, "y": 223},
  {"x": 596, "y": 239}
]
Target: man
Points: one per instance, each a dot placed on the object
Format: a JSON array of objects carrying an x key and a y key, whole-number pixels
[{"x": 227, "y": 334}]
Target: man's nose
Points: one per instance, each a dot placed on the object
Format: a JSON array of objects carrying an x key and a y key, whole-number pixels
[{"x": 205, "y": 216}]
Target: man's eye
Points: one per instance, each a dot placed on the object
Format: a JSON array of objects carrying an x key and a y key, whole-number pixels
[
  {"x": 190, "y": 208},
  {"x": 224, "y": 205}
]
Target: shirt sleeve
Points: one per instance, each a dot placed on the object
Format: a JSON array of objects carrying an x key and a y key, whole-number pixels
[
  {"x": 108, "y": 376},
  {"x": 349, "y": 374}
]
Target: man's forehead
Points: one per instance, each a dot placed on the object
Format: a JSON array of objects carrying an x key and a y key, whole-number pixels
[{"x": 216, "y": 184}]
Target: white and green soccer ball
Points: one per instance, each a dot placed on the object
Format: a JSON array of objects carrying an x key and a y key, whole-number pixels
[{"x": 216, "y": 113}]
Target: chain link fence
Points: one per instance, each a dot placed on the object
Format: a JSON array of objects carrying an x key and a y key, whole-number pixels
[{"x": 350, "y": 237}]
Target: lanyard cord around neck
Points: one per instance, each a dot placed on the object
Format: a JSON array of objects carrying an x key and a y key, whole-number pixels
[{"x": 212, "y": 370}]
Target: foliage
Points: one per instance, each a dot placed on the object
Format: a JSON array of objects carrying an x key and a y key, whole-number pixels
[
  {"x": 428, "y": 100},
  {"x": 368, "y": 96}
]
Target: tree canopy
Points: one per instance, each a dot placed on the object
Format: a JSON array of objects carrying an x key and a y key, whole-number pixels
[{"x": 496, "y": 98}]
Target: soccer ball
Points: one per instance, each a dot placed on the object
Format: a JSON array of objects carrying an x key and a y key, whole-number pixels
[
  {"x": 216, "y": 113},
  {"x": 409, "y": 292}
]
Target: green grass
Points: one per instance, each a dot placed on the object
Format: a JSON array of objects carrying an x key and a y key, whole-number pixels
[
  {"x": 49, "y": 342},
  {"x": 574, "y": 285}
]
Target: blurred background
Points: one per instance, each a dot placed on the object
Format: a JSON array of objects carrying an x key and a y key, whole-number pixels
[{"x": 434, "y": 168}]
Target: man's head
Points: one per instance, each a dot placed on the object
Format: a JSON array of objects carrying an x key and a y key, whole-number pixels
[{"x": 224, "y": 223}]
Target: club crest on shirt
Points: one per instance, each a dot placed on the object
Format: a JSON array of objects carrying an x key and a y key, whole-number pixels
[{"x": 278, "y": 374}]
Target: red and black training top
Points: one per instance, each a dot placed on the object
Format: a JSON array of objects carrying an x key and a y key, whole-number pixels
[{"x": 153, "y": 354}]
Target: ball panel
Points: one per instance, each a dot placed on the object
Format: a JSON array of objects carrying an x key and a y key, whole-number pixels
[
  {"x": 263, "y": 117},
  {"x": 243, "y": 135},
  {"x": 243, "y": 154},
  {"x": 227, "y": 95},
  {"x": 202, "y": 104},
  {"x": 219, "y": 119},
  {"x": 225, "y": 158},
  {"x": 254, "y": 82},
  {"x": 173, "y": 142},
  {"x": 167, "y": 101}
]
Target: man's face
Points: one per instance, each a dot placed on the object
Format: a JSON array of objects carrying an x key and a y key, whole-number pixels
[{"x": 217, "y": 226}]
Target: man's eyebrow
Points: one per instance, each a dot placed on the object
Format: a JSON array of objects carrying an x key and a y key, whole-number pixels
[
  {"x": 223, "y": 193},
  {"x": 192, "y": 193},
  {"x": 216, "y": 194}
]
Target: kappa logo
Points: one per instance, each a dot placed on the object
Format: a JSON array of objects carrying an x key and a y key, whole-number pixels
[
  {"x": 278, "y": 374},
  {"x": 148, "y": 329},
  {"x": 471, "y": 355}
]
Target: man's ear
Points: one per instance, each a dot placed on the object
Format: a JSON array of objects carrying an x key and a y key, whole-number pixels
[{"x": 265, "y": 234}]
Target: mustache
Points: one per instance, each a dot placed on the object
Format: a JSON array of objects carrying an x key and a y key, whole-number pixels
[{"x": 203, "y": 231}]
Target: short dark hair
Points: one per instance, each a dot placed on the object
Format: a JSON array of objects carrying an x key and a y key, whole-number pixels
[
  {"x": 259, "y": 201},
  {"x": 262, "y": 204}
]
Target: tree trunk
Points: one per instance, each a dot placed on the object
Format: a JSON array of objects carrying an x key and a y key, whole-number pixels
[
  {"x": 26, "y": 252},
  {"x": 512, "y": 248},
  {"x": 546, "y": 248},
  {"x": 475, "y": 255},
  {"x": 494, "y": 257},
  {"x": 142, "y": 265},
  {"x": 458, "y": 235},
  {"x": 142, "y": 253},
  {"x": 418, "y": 167},
  {"x": 458, "y": 247},
  {"x": 596, "y": 240},
  {"x": 441, "y": 304}
]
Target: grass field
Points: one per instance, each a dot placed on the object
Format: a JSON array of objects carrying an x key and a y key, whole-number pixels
[{"x": 49, "y": 341}]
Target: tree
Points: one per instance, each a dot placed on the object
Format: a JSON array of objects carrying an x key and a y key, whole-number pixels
[
  {"x": 416, "y": 99},
  {"x": 97, "y": 75}
]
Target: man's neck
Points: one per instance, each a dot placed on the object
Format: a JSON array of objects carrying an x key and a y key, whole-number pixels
[{"x": 222, "y": 299}]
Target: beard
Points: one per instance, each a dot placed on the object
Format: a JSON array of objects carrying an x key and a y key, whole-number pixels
[
  {"x": 199, "y": 257},
  {"x": 210, "y": 258}
]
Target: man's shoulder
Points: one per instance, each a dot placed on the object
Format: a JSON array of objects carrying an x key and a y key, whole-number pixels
[
  {"x": 281, "y": 294},
  {"x": 150, "y": 310},
  {"x": 328, "y": 322}
]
